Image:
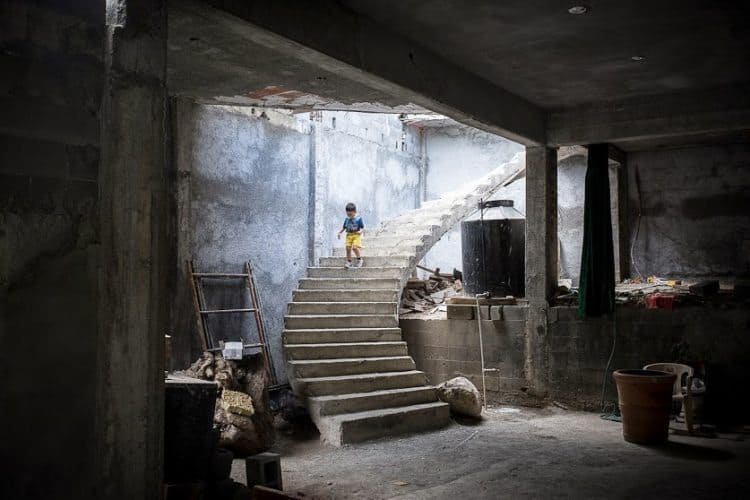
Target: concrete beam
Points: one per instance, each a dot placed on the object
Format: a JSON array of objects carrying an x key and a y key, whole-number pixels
[
  {"x": 680, "y": 114},
  {"x": 339, "y": 40}
]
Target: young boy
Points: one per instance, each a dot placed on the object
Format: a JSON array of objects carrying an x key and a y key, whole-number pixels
[{"x": 354, "y": 228}]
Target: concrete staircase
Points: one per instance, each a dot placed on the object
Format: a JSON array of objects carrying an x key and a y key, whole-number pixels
[{"x": 345, "y": 355}]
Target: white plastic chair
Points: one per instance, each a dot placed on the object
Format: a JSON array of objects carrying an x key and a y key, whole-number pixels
[{"x": 681, "y": 394}]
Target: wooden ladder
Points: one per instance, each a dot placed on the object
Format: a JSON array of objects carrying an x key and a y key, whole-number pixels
[{"x": 202, "y": 313}]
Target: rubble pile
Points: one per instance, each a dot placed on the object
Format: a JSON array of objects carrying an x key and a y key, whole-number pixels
[
  {"x": 242, "y": 412},
  {"x": 429, "y": 294}
]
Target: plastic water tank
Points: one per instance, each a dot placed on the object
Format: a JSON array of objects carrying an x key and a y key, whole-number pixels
[{"x": 493, "y": 246}]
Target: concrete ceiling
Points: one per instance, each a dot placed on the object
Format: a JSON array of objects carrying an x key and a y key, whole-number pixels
[
  {"x": 539, "y": 51},
  {"x": 524, "y": 69},
  {"x": 217, "y": 58}
]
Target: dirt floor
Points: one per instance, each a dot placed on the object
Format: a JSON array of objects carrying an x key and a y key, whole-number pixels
[{"x": 517, "y": 453}]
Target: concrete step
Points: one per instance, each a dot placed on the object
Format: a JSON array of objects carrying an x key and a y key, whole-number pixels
[
  {"x": 345, "y": 350},
  {"x": 306, "y": 368},
  {"x": 348, "y": 384},
  {"x": 335, "y": 335},
  {"x": 411, "y": 240},
  {"x": 395, "y": 261},
  {"x": 297, "y": 308},
  {"x": 332, "y": 295},
  {"x": 349, "y": 283},
  {"x": 365, "y": 401},
  {"x": 308, "y": 321},
  {"x": 362, "y": 272},
  {"x": 362, "y": 426},
  {"x": 380, "y": 251}
]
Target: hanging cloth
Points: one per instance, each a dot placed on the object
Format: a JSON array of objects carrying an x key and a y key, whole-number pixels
[{"x": 596, "y": 293}]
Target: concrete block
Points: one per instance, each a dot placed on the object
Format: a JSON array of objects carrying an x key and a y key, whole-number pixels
[
  {"x": 184, "y": 491},
  {"x": 264, "y": 469},
  {"x": 458, "y": 311}
]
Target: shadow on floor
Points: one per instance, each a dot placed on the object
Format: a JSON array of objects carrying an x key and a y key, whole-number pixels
[{"x": 687, "y": 451}]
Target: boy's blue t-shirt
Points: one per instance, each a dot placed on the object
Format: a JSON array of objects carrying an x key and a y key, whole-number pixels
[{"x": 352, "y": 224}]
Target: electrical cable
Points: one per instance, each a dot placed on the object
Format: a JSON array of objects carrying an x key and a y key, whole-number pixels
[{"x": 609, "y": 361}]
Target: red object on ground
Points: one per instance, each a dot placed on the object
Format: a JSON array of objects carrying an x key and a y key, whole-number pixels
[{"x": 659, "y": 301}]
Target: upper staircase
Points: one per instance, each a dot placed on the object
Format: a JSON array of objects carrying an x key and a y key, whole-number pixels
[{"x": 345, "y": 355}]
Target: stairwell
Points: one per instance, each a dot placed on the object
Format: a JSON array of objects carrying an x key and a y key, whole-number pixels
[{"x": 345, "y": 355}]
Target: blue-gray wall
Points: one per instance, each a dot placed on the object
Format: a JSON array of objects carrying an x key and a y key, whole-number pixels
[
  {"x": 270, "y": 186},
  {"x": 244, "y": 196}
]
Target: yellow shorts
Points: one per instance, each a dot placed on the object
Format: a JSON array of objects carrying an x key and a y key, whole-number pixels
[{"x": 353, "y": 240}]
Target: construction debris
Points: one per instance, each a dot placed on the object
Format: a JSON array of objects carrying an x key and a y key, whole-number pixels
[
  {"x": 243, "y": 411},
  {"x": 426, "y": 295}
]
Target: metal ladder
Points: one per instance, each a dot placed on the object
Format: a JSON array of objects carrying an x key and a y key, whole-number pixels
[{"x": 202, "y": 313}]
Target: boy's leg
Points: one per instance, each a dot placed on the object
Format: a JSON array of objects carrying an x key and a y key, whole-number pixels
[
  {"x": 357, "y": 247},
  {"x": 348, "y": 256}
]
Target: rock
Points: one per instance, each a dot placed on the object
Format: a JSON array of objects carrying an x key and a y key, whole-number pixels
[{"x": 462, "y": 396}]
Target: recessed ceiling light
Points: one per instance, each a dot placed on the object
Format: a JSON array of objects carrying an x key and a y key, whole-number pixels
[
  {"x": 637, "y": 58},
  {"x": 578, "y": 10}
]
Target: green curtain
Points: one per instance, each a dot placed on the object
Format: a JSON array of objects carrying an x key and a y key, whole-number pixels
[{"x": 596, "y": 293}]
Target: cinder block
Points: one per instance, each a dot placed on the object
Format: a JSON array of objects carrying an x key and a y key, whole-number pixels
[
  {"x": 185, "y": 491},
  {"x": 459, "y": 311},
  {"x": 264, "y": 469}
]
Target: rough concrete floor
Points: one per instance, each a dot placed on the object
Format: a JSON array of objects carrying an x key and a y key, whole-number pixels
[{"x": 518, "y": 453}]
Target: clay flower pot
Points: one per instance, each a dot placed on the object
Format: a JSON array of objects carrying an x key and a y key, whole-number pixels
[{"x": 645, "y": 398}]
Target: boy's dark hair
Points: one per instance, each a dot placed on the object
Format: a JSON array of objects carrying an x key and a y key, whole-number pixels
[{"x": 351, "y": 207}]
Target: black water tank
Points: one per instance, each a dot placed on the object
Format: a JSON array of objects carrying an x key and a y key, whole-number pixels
[{"x": 495, "y": 263}]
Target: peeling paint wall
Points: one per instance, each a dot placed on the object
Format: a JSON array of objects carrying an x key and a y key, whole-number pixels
[
  {"x": 370, "y": 159},
  {"x": 270, "y": 186},
  {"x": 51, "y": 80},
  {"x": 243, "y": 196},
  {"x": 695, "y": 211}
]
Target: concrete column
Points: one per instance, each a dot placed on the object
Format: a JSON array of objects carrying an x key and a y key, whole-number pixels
[
  {"x": 623, "y": 225},
  {"x": 134, "y": 252},
  {"x": 541, "y": 223},
  {"x": 541, "y": 260}
]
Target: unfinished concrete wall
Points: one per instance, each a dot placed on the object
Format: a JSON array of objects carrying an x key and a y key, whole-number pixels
[
  {"x": 576, "y": 351},
  {"x": 244, "y": 196},
  {"x": 694, "y": 211},
  {"x": 447, "y": 348},
  {"x": 370, "y": 159},
  {"x": 457, "y": 155},
  {"x": 706, "y": 336},
  {"x": 447, "y": 149},
  {"x": 51, "y": 79},
  {"x": 270, "y": 186},
  {"x": 571, "y": 187}
]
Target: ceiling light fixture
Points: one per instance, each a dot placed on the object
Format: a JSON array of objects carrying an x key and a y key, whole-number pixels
[
  {"x": 578, "y": 10},
  {"x": 637, "y": 58}
]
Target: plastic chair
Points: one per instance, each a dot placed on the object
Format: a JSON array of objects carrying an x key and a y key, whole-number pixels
[{"x": 681, "y": 394}]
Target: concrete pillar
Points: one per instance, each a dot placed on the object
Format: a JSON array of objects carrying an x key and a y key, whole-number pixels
[
  {"x": 134, "y": 252},
  {"x": 541, "y": 223},
  {"x": 623, "y": 225},
  {"x": 541, "y": 259}
]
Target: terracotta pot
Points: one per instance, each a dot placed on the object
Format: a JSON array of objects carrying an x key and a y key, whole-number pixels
[{"x": 645, "y": 398}]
